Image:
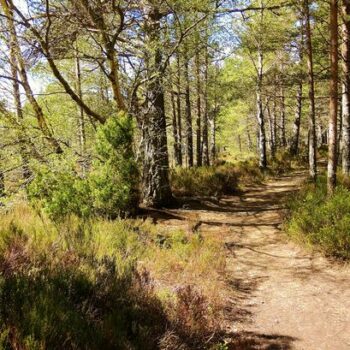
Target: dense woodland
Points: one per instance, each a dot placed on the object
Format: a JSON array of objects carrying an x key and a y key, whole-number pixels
[
  {"x": 172, "y": 85},
  {"x": 111, "y": 109}
]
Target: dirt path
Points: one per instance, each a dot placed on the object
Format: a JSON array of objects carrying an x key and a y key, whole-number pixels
[{"x": 284, "y": 297}]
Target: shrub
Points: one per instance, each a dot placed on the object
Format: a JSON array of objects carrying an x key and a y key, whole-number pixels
[
  {"x": 115, "y": 179},
  {"x": 322, "y": 221},
  {"x": 59, "y": 190},
  {"x": 110, "y": 189}
]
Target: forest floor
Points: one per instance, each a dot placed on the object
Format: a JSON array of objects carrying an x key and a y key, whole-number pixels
[{"x": 282, "y": 295}]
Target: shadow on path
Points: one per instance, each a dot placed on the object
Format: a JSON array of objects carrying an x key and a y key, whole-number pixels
[{"x": 283, "y": 297}]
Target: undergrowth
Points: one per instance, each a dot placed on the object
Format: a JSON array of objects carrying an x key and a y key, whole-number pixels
[
  {"x": 227, "y": 178},
  {"x": 105, "y": 285},
  {"x": 321, "y": 221}
]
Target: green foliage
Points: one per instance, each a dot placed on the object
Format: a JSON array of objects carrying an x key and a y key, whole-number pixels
[
  {"x": 320, "y": 220},
  {"x": 110, "y": 189},
  {"x": 60, "y": 191},
  {"x": 115, "y": 178}
]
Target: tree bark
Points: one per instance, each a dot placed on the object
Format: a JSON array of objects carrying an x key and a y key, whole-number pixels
[
  {"x": 294, "y": 150},
  {"x": 175, "y": 128},
  {"x": 333, "y": 103},
  {"x": 312, "y": 112},
  {"x": 213, "y": 150},
  {"x": 189, "y": 129},
  {"x": 346, "y": 88},
  {"x": 205, "y": 128},
  {"x": 179, "y": 111},
  {"x": 260, "y": 114},
  {"x": 271, "y": 130},
  {"x": 156, "y": 187},
  {"x": 283, "y": 116},
  {"x": 199, "y": 112}
]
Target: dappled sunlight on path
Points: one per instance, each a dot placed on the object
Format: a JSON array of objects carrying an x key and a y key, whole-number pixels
[{"x": 283, "y": 297}]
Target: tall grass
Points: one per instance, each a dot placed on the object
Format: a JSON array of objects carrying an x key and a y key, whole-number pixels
[
  {"x": 222, "y": 179},
  {"x": 320, "y": 221},
  {"x": 228, "y": 178},
  {"x": 104, "y": 284}
]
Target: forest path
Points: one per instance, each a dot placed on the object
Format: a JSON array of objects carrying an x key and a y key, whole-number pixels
[{"x": 283, "y": 297}]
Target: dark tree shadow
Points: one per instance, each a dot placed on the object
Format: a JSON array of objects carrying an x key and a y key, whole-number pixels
[{"x": 255, "y": 341}]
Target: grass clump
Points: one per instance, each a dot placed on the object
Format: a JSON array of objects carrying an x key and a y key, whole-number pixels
[
  {"x": 217, "y": 180},
  {"x": 321, "y": 221},
  {"x": 204, "y": 181}
]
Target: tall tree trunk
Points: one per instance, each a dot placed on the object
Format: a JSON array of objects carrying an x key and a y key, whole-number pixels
[
  {"x": 274, "y": 125},
  {"x": 298, "y": 114},
  {"x": 260, "y": 114},
  {"x": 296, "y": 125},
  {"x": 179, "y": 111},
  {"x": 346, "y": 88},
  {"x": 333, "y": 104},
  {"x": 199, "y": 112},
  {"x": 283, "y": 116},
  {"x": 156, "y": 190},
  {"x": 175, "y": 129},
  {"x": 189, "y": 129},
  {"x": 312, "y": 112},
  {"x": 205, "y": 131},
  {"x": 249, "y": 138},
  {"x": 271, "y": 130},
  {"x": 213, "y": 150}
]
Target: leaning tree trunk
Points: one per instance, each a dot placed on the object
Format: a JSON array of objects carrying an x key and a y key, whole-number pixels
[
  {"x": 156, "y": 190},
  {"x": 345, "y": 88},
  {"x": 81, "y": 135},
  {"x": 333, "y": 103},
  {"x": 18, "y": 103},
  {"x": 312, "y": 113},
  {"x": 22, "y": 72}
]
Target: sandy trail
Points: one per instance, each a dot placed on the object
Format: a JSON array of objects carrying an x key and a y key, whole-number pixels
[{"x": 284, "y": 297}]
